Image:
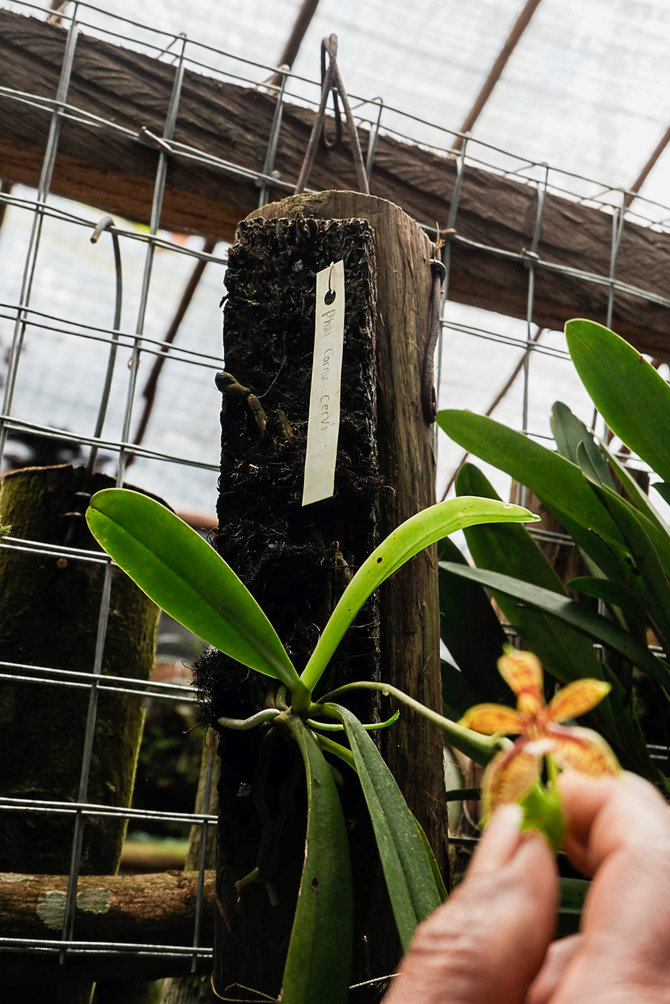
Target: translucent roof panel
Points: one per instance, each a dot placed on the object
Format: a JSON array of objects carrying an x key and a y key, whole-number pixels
[{"x": 585, "y": 90}]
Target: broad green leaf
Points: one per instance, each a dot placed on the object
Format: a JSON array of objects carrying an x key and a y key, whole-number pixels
[
  {"x": 174, "y": 566},
  {"x": 632, "y": 489},
  {"x": 457, "y": 694},
  {"x": 407, "y": 867},
  {"x": 557, "y": 482},
  {"x": 599, "y": 551},
  {"x": 614, "y": 594},
  {"x": 641, "y": 568},
  {"x": 663, "y": 490},
  {"x": 620, "y": 563},
  {"x": 591, "y": 624},
  {"x": 437, "y": 875},
  {"x": 318, "y": 964},
  {"x": 472, "y": 633},
  {"x": 419, "y": 531},
  {"x": 565, "y": 653},
  {"x": 628, "y": 392},
  {"x": 569, "y": 432},
  {"x": 591, "y": 471}
]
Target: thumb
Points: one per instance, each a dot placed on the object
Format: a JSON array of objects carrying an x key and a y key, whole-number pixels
[{"x": 489, "y": 940}]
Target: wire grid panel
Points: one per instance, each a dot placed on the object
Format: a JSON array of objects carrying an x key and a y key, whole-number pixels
[{"x": 76, "y": 360}]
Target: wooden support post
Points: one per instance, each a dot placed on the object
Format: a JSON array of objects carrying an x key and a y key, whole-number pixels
[{"x": 295, "y": 560}]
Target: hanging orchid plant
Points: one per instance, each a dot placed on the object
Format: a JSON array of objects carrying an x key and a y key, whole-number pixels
[{"x": 187, "y": 578}]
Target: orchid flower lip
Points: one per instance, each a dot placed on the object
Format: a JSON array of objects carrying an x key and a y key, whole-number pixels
[{"x": 540, "y": 747}]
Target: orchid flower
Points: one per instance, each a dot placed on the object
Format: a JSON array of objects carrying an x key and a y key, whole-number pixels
[{"x": 514, "y": 772}]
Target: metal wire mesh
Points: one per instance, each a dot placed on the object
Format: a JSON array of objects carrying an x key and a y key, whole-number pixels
[{"x": 62, "y": 360}]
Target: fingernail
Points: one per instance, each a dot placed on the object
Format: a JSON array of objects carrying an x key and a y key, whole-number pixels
[{"x": 501, "y": 840}]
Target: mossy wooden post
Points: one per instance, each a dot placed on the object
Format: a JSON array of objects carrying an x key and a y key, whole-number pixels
[
  {"x": 296, "y": 560},
  {"x": 49, "y": 608}
]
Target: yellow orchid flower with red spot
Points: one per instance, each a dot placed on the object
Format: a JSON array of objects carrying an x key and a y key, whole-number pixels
[{"x": 511, "y": 775}]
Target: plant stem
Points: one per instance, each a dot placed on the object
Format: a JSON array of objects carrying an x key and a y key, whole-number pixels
[
  {"x": 301, "y": 697},
  {"x": 552, "y": 771},
  {"x": 480, "y": 748}
]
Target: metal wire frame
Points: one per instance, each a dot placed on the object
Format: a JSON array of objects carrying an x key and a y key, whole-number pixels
[{"x": 185, "y": 52}]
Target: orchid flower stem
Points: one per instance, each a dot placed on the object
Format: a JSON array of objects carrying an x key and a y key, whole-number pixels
[
  {"x": 480, "y": 748},
  {"x": 552, "y": 771}
]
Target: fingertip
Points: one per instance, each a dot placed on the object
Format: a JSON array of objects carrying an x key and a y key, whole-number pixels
[
  {"x": 499, "y": 842},
  {"x": 536, "y": 862}
]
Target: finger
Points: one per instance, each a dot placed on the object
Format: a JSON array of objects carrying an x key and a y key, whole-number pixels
[
  {"x": 500, "y": 841},
  {"x": 553, "y": 969},
  {"x": 600, "y": 812},
  {"x": 621, "y": 832},
  {"x": 489, "y": 940}
]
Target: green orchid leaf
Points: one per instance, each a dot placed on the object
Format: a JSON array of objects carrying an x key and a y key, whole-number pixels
[
  {"x": 641, "y": 568},
  {"x": 185, "y": 576},
  {"x": 569, "y": 433},
  {"x": 412, "y": 536},
  {"x": 628, "y": 392},
  {"x": 457, "y": 694},
  {"x": 406, "y": 863},
  {"x": 318, "y": 964},
  {"x": 663, "y": 490},
  {"x": 632, "y": 490},
  {"x": 585, "y": 463},
  {"x": 557, "y": 482},
  {"x": 437, "y": 875},
  {"x": 565, "y": 653},
  {"x": 614, "y": 594},
  {"x": 589, "y": 623},
  {"x": 473, "y": 635}
]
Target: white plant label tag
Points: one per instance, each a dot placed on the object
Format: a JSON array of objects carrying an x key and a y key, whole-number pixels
[{"x": 324, "y": 400}]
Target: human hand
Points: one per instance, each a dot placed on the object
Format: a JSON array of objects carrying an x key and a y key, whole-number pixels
[{"x": 492, "y": 940}]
